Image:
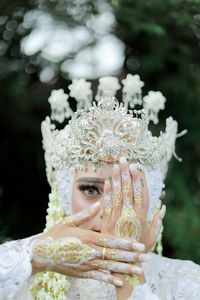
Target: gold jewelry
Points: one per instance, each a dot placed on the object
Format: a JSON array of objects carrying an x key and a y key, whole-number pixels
[
  {"x": 116, "y": 199},
  {"x": 128, "y": 226},
  {"x": 103, "y": 253},
  {"x": 138, "y": 201},
  {"x": 108, "y": 210}
]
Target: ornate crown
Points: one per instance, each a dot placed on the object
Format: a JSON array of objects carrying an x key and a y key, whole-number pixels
[{"x": 105, "y": 130}]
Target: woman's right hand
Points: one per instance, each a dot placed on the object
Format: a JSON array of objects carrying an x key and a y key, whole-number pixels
[{"x": 70, "y": 250}]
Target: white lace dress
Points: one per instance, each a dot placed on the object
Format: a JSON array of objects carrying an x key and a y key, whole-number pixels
[{"x": 166, "y": 279}]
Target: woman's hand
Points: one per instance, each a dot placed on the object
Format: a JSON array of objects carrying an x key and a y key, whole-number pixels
[
  {"x": 125, "y": 215},
  {"x": 78, "y": 252},
  {"x": 126, "y": 204}
]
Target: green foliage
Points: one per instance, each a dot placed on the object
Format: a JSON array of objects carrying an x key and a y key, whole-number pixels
[{"x": 161, "y": 39}]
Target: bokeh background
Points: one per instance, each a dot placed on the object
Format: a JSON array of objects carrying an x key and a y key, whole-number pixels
[{"x": 45, "y": 43}]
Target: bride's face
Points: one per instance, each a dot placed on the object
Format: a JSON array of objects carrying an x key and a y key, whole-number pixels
[{"x": 88, "y": 189}]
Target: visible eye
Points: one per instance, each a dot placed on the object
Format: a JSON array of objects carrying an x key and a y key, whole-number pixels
[{"x": 89, "y": 190}]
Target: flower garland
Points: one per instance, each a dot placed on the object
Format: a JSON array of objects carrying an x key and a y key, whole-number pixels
[{"x": 51, "y": 285}]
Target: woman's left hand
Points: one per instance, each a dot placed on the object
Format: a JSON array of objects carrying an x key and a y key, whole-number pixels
[{"x": 126, "y": 203}]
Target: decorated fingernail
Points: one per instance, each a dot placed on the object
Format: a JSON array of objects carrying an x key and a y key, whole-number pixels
[
  {"x": 133, "y": 169},
  {"x": 118, "y": 282},
  {"x": 110, "y": 178},
  {"x": 163, "y": 211},
  {"x": 158, "y": 228}
]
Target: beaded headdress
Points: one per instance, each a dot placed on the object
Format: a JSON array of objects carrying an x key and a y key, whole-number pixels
[
  {"x": 101, "y": 132},
  {"x": 104, "y": 130}
]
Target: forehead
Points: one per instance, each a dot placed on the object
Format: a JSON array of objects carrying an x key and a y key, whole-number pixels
[{"x": 104, "y": 171}]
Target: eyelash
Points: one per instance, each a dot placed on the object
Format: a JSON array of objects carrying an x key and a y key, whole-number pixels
[{"x": 85, "y": 187}]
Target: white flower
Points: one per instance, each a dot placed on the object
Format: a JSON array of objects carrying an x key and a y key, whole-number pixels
[
  {"x": 132, "y": 84},
  {"x": 108, "y": 85},
  {"x": 132, "y": 90},
  {"x": 80, "y": 89},
  {"x": 154, "y": 102},
  {"x": 58, "y": 99},
  {"x": 59, "y": 105}
]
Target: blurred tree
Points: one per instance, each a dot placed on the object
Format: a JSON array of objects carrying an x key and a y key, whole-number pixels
[{"x": 162, "y": 44}]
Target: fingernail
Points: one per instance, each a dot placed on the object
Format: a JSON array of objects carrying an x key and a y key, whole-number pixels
[
  {"x": 116, "y": 170},
  {"x": 133, "y": 169},
  {"x": 144, "y": 257},
  {"x": 158, "y": 228},
  {"x": 163, "y": 211},
  {"x": 118, "y": 282},
  {"x": 136, "y": 270},
  {"x": 138, "y": 246},
  {"x": 95, "y": 205},
  {"x": 123, "y": 160}
]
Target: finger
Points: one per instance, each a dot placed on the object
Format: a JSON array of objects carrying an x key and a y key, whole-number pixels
[
  {"x": 83, "y": 216},
  {"x": 137, "y": 186},
  {"x": 120, "y": 255},
  {"x": 117, "y": 267},
  {"x": 140, "y": 193},
  {"x": 156, "y": 226},
  {"x": 116, "y": 193},
  {"x": 107, "y": 205},
  {"x": 118, "y": 243},
  {"x": 126, "y": 184},
  {"x": 102, "y": 276}
]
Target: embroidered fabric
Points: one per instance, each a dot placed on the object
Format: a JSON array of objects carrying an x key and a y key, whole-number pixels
[
  {"x": 15, "y": 266},
  {"x": 167, "y": 279},
  {"x": 143, "y": 292},
  {"x": 65, "y": 180}
]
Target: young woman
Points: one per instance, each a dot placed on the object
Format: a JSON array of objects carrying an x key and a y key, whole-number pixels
[{"x": 106, "y": 171}]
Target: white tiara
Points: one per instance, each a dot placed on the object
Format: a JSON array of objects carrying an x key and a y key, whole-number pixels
[{"x": 105, "y": 130}]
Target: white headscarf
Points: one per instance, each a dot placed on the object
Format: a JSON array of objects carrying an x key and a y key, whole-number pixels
[{"x": 65, "y": 182}]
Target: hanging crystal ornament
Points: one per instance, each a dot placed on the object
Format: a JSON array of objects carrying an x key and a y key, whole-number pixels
[
  {"x": 59, "y": 106},
  {"x": 81, "y": 91},
  {"x": 132, "y": 90},
  {"x": 153, "y": 103}
]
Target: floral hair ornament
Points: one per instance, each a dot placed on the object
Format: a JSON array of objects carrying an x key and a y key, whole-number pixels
[{"x": 105, "y": 130}]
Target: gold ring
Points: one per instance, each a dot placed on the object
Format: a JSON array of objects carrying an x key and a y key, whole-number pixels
[{"x": 103, "y": 253}]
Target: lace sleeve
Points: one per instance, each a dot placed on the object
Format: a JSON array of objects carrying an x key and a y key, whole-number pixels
[
  {"x": 143, "y": 292},
  {"x": 15, "y": 265}
]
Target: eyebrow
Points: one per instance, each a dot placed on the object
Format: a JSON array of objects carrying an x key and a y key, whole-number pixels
[{"x": 91, "y": 179}]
